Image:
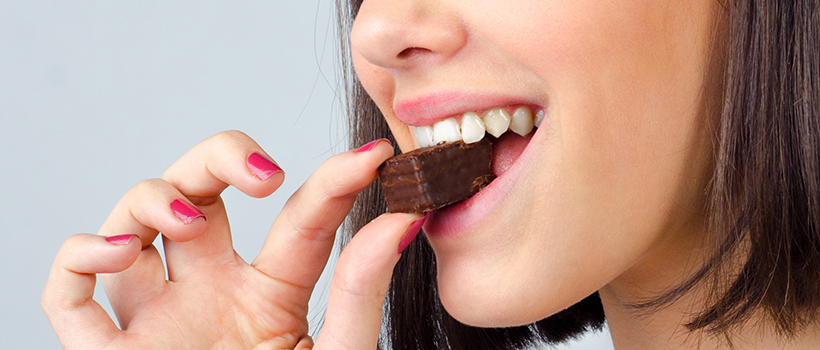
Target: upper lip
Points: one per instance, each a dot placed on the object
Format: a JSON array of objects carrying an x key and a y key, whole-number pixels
[{"x": 427, "y": 109}]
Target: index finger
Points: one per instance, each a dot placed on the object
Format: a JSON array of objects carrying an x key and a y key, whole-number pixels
[
  {"x": 227, "y": 158},
  {"x": 300, "y": 240}
]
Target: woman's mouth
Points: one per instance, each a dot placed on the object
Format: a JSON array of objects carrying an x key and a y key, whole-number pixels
[{"x": 511, "y": 129}]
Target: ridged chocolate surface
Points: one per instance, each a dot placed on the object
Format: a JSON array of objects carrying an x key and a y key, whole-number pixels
[{"x": 434, "y": 177}]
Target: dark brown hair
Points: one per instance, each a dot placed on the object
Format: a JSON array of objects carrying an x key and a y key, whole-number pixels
[
  {"x": 763, "y": 202},
  {"x": 764, "y": 198}
]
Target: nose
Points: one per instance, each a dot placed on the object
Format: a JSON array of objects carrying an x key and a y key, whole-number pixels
[{"x": 397, "y": 34}]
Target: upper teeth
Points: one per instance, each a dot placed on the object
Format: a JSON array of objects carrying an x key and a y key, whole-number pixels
[
  {"x": 497, "y": 121},
  {"x": 472, "y": 127},
  {"x": 522, "y": 122},
  {"x": 494, "y": 121},
  {"x": 446, "y": 130}
]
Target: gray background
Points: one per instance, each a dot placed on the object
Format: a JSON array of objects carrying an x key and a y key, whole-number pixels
[{"x": 96, "y": 96}]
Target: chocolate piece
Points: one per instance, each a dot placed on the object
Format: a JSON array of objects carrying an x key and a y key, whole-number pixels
[{"x": 433, "y": 177}]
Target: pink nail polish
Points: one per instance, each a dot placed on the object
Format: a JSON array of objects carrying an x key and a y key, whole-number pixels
[
  {"x": 370, "y": 145},
  {"x": 414, "y": 229},
  {"x": 185, "y": 212},
  {"x": 261, "y": 167},
  {"x": 119, "y": 240}
]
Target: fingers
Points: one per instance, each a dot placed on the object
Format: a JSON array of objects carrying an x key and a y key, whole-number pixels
[
  {"x": 306, "y": 343},
  {"x": 67, "y": 298},
  {"x": 360, "y": 281},
  {"x": 185, "y": 206},
  {"x": 227, "y": 158},
  {"x": 301, "y": 238},
  {"x": 130, "y": 289},
  {"x": 150, "y": 206},
  {"x": 201, "y": 174}
]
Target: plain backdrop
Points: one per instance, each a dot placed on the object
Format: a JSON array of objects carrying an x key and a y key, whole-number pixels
[{"x": 96, "y": 96}]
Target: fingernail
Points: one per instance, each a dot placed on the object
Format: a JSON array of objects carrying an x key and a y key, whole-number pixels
[
  {"x": 370, "y": 145},
  {"x": 261, "y": 167},
  {"x": 119, "y": 240},
  {"x": 185, "y": 211},
  {"x": 414, "y": 229}
]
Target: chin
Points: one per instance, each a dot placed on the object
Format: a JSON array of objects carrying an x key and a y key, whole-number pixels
[{"x": 488, "y": 303}]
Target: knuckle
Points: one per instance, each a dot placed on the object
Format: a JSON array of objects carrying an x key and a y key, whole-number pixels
[
  {"x": 66, "y": 255},
  {"x": 45, "y": 303},
  {"x": 52, "y": 302},
  {"x": 71, "y": 244},
  {"x": 229, "y": 137},
  {"x": 335, "y": 187},
  {"x": 48, "y": 303},
  {"x": 345, "y": 284},
  {"x": 146, "y": 186},
  {"x": 296, "y": 222},
  {"x": 354, "y": 279},
  {"x": 334, "y": 184},
  {"x": 305, "y": 343},
  {"x": 52, "y": 298}
]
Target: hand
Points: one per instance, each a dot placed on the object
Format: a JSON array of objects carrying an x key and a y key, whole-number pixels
[{"x": 212, "y": 298}]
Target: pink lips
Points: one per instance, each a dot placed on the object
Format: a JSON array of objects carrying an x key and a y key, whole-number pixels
[{"x": 461, "y": 217}]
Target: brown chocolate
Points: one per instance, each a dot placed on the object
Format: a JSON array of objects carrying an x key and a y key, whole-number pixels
[{"x": 434, "y": 177}]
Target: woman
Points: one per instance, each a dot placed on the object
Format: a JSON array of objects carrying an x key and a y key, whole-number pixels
[{"x": 671, "y": 186}]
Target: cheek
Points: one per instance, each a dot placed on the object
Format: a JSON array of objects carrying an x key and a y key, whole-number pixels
[
  {"x": 628, "y": 123},
  {"x": 624, "y": 80},
  {"x": 621, "y": 169},
  {"x": 380, "y": 86},
  {"x": 623, "y": 76},
  {"x": 629, "y": 98}
]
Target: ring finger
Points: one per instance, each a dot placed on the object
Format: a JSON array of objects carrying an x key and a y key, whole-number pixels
[{"x": 148, "y": 208}]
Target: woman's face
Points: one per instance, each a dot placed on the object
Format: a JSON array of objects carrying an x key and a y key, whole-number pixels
[{"x": 605, "y": 192}]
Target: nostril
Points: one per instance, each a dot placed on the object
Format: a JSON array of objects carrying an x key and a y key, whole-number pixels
[{"x": 412, "y": 51}]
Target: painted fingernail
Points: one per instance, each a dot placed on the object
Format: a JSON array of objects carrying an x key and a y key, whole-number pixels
[
  {"x": 414, "y": 229},
  {"x": 370, "y": 145},
  {"x": 185, "y": 212},
  {"x": 261, "y": 167},
  {"x": 119, "y": 240}
]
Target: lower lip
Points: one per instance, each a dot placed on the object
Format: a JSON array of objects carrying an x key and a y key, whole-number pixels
[{"x": 463, "y": 216}]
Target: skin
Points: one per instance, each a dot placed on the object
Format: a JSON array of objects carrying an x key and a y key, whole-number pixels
[
  {"x": 618, "y": 167},
  {"x": 612, "y": 199},
  {"x": 212, "y": 299}
]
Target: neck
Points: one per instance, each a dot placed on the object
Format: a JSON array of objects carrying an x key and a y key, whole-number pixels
[
  {"x": 664, "y": 327},
  {"x": 633, "y": 328}
]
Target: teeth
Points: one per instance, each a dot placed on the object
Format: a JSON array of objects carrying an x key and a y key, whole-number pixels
[
  {"x": 539, "y": 117},
  {"x": 521, "y": 123},
  {"x": 446, "y": 130},
  {"x": 472, "y": 128},
  {"x": 424, "y": 136},
  {"x": 497, "y": 121}
]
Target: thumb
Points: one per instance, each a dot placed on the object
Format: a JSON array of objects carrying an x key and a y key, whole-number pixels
[
  {"x": 360, "y": 281},
  {"x": 81, "y": 323}
]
